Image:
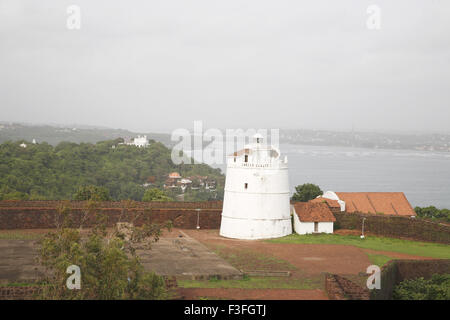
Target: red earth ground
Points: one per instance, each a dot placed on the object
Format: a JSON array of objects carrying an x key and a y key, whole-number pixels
[
  {"x": 253, "y": 294},
  {"x": 310, "y": 260}
]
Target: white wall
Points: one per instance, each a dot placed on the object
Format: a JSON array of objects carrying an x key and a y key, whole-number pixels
[
  {"x": 326, "y": 227},
  {"x": 308, "y": 227},
  {"x": 251, "y": 229},
  {"x": 333, "y": 196},
  {"x": 302, "y": 227}
]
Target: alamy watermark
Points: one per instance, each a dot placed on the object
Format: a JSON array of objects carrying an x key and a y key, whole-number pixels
[
  {"x": 73, "y": 282},
  {"x": 211, "y": 146},
  {"x": 373, "y": 21},
  {"x": 374, "y": 279},
  {"x": 73, "y": 21}
]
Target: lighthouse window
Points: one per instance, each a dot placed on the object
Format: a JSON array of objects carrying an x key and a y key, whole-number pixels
[
  {"x": 246, "y": 158},
  {"x": 245, "y": 185},
  {"x": 257, "y": 140}
]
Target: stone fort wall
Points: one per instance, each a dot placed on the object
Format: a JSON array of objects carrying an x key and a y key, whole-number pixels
[
  {"x": 396, "y": 271},
  {"x": 42, "y": 215},
  {"x": 46, "y": 214},
  {"x": 394, "y": 226}
]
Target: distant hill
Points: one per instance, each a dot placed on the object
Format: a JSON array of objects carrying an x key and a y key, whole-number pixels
[
  {"x": 56, "y": 134},
  {"x": 377, "y": 140}
]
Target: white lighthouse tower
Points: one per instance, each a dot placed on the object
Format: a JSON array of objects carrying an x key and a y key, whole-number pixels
[{"x": 256, "y": 201}]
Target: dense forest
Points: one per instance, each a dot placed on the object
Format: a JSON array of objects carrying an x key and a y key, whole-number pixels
[{"x": 43, "y": 171}]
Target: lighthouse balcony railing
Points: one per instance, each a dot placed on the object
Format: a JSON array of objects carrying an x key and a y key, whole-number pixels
[{"x": 276, "y": 165}]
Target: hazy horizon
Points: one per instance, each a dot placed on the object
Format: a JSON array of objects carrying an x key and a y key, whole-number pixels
[
  {"x": 190, "y": 128},
  {"x": 154, "y": 66}
]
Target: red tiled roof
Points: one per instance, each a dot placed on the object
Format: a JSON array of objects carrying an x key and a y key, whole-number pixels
[
  {"x": 313, "y": 212},
  {"x": 241, "y": 152},
  {"x": 174, "y": 175},
  {"x": 392, "y": 203},
  {"x": 331, "y": 203}
]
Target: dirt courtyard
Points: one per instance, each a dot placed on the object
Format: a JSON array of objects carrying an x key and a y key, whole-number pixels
[
  {"x": 198, "y": 255},
  {"x": 305, "y": 262},
  {"x": 175, "y": 254},
  {"x": 253, "y": 294},
  {"x": 18, "y": 261},
  {"x": 310, "y": 259}
]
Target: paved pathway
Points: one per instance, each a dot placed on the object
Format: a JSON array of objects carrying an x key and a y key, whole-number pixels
[
  {"x": 178, "y": 254},
  {"x": 18, "y": 261},
  {"x": 174, "y": 254}
]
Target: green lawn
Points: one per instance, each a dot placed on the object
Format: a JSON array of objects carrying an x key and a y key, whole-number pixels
[
  {"x": 17, "y": 235},
  {"x": 256, "y": 283},
  {"x": 416, "y": 248},
  {"x": 378, "y": 259},
  {"x": 21, "y": 284},
  {"x": 248, "y": 260}
]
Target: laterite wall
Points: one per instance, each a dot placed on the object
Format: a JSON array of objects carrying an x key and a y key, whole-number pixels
[
  {"x": 395, "y": 226},
  {"x": 398, "y": 270},
  {"x": 44, "y": 215}
]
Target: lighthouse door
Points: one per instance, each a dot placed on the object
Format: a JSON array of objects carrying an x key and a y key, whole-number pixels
[{"x": 316, "y": 227}]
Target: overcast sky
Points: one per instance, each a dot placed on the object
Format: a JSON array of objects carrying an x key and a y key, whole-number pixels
[{"x": 159, "y": 65}]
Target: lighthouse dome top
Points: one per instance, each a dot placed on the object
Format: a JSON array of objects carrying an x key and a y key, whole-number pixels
[
  {"x": 258, "y": 138},
  {"x": 257, "y": 154}
]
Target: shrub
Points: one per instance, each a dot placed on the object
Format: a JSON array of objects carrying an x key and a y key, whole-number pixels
[
  {"x": 436, "y": 288},
  {"x": 110, "y": 267},
  {"x": 92, "y": 193},
  {"x": 154, "y": 194}
]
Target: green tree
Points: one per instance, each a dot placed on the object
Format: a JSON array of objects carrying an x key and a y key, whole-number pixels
[
  {"x": 306, "y": 192},
  {"x": 92, "y": 193},
  {"x": 110, "y": 268},
  {"x": 432, "y": 212},
  {"x": 155, "y": 194},
  {"x": 41, "y": 171},
  {"x": 201, "y": 195}
]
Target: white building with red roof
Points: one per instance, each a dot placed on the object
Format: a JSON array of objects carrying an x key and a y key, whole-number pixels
[
  {"x": 388, "y": 203},
  {"x": 312, "y": 217},
  {"x": 174, "y": 175}
]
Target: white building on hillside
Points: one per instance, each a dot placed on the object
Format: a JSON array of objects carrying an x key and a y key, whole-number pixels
[
  {"x": 140, "y": 141},
  {"x": 256, "y": 201}
]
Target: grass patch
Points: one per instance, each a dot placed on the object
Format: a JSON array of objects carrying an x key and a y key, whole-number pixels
[
  {"x": 22, "y": 284},
  {"x": 415, "y": 248},
  {"x": 378, "y": 259},
  {"x": 5, "y": 235},
  {"x": 249, "y": 260},
  {"x": 255, "y": 283}
]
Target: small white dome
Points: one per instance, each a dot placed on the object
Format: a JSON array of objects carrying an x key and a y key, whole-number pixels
[{"x": 258, "y": 138}]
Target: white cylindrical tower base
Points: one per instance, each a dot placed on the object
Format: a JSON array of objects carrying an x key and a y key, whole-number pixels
[
  {"x": 252, "y": 229},
  {"x": 256, "y": 196}
]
